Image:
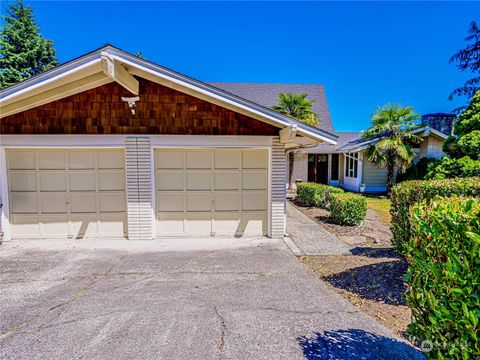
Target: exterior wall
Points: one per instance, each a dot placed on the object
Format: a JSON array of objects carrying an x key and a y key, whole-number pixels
[
  {"x": 277, "y": 196},
  {"x": 160, "y": 110},
  {"x": 374, "y": 177},
  {"x": 300, "y": 167},
  {"x": 341, "y": 167},
  {"x": 431, "y": 147}
]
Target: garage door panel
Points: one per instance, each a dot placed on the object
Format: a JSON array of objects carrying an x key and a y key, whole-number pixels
[
  {"x": 111, "y": 159},
  {"x": 199, "y": 180},
  {"x": 25, "y": 226},
  {"x": 169, "y": 159},
  {"x": 227, "y": 159},
  {"x": 254, "y": 159},
  {"x": 51, "y": 160},
  {"x": 170, "y": 223},
  {"x": 170, "y": 202},
  {"x": 254, "y": 200},
  {"x": 226, "y": 223},
  {"x": 227, "y": 180},
  {"x": 83, "y": 203},
  {"x": 112, "y": 224},
  {"x": 169, "y": 180},
  {"x": 84, "y": 226},
  {"x": 21, "y": 160},
  {"x": 81, "y": 160},
  {"x": 23, "y": 203},
  {"x": 254, "y": 180},
  {"x": 53, "y": 181},
  {"x": 199, "y": 201},
  {"x": 82, "y": 181},
  {"x": 53, "y": 203},
  {"x": 55, "y": 226},
  {"x": 198, "y": 223},
  {"x": 112, "y": 202},
  {"x": 111, "y": 180},
  {"x": 227, "y": 201},
  {"x": 22, "y": 181},
  {"x": 253, "y": 223},
  {"x": 199, "y": 159}
]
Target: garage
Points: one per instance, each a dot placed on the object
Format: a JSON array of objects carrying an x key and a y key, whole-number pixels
[
  {"x": 63, "y": 193},
  {"x": 211, "y": 191}
]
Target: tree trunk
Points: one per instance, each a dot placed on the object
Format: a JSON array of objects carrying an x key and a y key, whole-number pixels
[
  {"x": 390, "y": 171},
  {"x": 291, "y": 161}
]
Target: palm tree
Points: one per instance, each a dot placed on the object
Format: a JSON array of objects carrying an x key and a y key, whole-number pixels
[
  {"x": 296, "y": 106},
  {"x": 392, "y": 124}
]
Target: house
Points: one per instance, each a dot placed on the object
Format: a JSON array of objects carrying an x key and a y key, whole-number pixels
[
  {"x": 347, "y": 166},
  {"x": 110, "y": 145}
]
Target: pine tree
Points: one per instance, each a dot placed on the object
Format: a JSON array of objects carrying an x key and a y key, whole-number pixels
[{"x": 24, "y": 52}]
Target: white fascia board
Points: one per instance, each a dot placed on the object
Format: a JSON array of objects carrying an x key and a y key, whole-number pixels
[{"x": 11, "y": 93}]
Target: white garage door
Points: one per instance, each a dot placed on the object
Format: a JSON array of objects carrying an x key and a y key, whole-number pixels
[
  {"x": 67, "y": 193},
  {"x": 211, "y": 192}
]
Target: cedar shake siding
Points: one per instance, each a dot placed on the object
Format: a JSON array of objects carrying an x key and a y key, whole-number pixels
[{"x": 160, "y": 110}]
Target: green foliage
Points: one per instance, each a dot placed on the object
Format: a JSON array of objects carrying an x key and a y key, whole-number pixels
[
  {"x": 466, "y": 141},
  {"x": 469, "y": 59},
  {"x": 298, "y": 107},
  {"x": 392, "y": 125},
  {"x": 448, "y": 168},
  {"x": 417, "y": 171},
  {"x": 348, "y": 208},
  {"x": 312, "y": 194},
  {"x": 408, "y": 193},
  {"x": 444, "y": 276},
  {"x": 24, "y": 52}
]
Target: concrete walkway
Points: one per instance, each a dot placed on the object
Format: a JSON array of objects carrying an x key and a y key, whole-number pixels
[{"x": 310, "y": 237}]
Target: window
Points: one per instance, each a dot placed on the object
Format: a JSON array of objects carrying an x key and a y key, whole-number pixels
[
  {"x": 351, "y": 165},
  {"x": 334, "y": 167}
]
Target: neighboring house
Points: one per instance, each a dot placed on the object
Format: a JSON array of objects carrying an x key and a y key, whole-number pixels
[
  {"x": 346, "y": 165},
  {"x": 109, "y": 145}
]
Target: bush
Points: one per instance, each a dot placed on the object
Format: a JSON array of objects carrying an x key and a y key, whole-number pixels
[
  {"x": 417, "y": 171},
  {"x": 448, "y": 168},
  {"x": 348, "y": 209},
  {"x": 408, "y": 193},
  {"x": 444, "y": 276},
  {"x": 312, "y": 194}
]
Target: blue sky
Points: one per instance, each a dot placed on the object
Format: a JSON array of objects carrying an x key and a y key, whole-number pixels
[{"x": 364, "y": 53}]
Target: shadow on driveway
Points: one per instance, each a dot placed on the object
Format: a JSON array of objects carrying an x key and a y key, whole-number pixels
[{"x": 356, "y": 344}]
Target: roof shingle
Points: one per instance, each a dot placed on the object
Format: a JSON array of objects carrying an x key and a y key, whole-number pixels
[{"x": 267, "y": 95}]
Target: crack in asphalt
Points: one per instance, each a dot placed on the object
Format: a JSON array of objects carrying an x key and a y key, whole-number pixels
[
  {"x": 76, "y": 296},
  {"x": 223, "y": 329}
]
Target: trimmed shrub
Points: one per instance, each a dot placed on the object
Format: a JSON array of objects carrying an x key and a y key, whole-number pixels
[
  {"x": 444, "y": 276},
  {"x": 448, "y": 168},
  {"x": 312, "y": 194},
  {"x": 347, "y": 208},
  {"x": 408, "y": 193},
  {"x": 417, "y": 171}
]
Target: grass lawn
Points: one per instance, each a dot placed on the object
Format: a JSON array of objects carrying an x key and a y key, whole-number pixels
[{"x": 382, "y": 206}]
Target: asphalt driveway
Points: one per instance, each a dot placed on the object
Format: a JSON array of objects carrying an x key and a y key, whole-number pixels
[{"x": 238, "y": 299}]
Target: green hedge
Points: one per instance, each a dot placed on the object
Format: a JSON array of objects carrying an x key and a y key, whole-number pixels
[
  {"x": 408, "y": 193},
  {"x": 312, "y": 194},
  {"x": 348, "y": 209},
  {"x": 444, "y": 276}
]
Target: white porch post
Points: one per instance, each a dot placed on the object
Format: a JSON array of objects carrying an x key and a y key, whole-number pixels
[
  {"x": 277, "y": 189},
  {"x": 139, "y": 189}
]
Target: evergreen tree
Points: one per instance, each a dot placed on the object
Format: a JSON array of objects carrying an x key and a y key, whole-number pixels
[
  {"x": 24, "y": 52},
  {"x": 468, "y": 59}
]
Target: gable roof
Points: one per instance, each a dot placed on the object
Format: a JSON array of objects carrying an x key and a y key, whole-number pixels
[
  {"x": 358, "y": 144},
  {"x": 100, "y": 66},
  {"x": 267, "y": 95},
  {"x": 343, "y": 139}
]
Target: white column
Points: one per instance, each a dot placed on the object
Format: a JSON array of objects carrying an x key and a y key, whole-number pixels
[
  {"x": 139, "y": 188},
  {"x": 277, "y": 189},
  {"x": 4, "y": 210}
]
